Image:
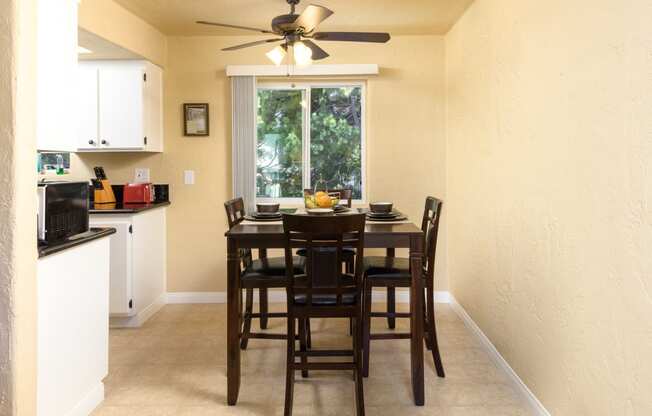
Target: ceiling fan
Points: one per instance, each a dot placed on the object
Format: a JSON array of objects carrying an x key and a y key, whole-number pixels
[{"x": 298, "y": 31}]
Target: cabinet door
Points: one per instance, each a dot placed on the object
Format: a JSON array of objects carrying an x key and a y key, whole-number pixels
[
  {"x": 121, "y": 275},
  {"x": 87, "y": 121},
  {"x": 55, "y": 74},
  {"x": 149, "y": 246},
  {"x": 153, "y": 96},
  {"x": 121, "y": 107}
]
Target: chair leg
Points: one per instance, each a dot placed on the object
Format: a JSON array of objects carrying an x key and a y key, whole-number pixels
[
  {"x": 308, "y": 336},
  {"x": 302, "y": 343},
  {"x": 289, "y": 374},
  {"x": 391, "y": 307},
  {"x": 357, "y": 355},
  {"x": 426, "y": 326},
  {"x": 264, "y": 306},
  {"x": 366, "y": 328},
  {"x": 432, "y": 329},
  {"x": 246, "y": 330}
]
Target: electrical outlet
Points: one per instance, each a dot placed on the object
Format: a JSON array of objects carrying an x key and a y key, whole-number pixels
[
  {"x": 189, "y": 177},
  {"x": 142, "y": 175}
]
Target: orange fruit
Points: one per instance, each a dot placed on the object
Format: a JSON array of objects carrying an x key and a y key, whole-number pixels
[
  {"x": 324, "y": 201},
  {"x": 320, "y": 194}
]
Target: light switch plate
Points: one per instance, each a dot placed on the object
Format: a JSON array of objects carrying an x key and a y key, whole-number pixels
[
  {"x": 142, "y": 175},
  {"x": 189, "y": 177}
]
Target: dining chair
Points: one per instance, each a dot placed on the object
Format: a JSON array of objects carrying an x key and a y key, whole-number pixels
[
  {"x": 324, "y": 290},
  {"x": 391, "y": 272},
  {"x": 346, "y": 195},
  {"x": 263, "y": 273}
]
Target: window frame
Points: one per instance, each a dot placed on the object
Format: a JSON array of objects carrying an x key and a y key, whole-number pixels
[{"x": 306, "y": 87}]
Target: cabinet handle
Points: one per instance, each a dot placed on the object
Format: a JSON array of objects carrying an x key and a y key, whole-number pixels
[
  {"x": 104, "y": 142},
  {"x": 92, "y": 142}
]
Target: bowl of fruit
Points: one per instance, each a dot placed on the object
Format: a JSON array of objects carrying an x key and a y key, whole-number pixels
[{"x": 320, "y": 197}]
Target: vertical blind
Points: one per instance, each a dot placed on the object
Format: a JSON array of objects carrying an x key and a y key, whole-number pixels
[{"x": 243, "y": 93}]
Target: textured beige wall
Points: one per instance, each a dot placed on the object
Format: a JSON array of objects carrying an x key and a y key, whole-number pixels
[
  {"x": 7, "y": 226},
  {"x": 17, "y": 208},
  {"x": 405, "y": 143},
  {"x": 549, "y": 133},
  {"x": 111, "y": 21}
]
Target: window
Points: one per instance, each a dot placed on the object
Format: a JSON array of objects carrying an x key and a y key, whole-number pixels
[{"x": 306, "y": 133}]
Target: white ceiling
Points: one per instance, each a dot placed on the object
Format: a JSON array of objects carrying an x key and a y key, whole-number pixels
[{"x": 398, "y": 17}]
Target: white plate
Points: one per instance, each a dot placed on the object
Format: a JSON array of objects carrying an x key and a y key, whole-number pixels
[{"x": 319, "y": 211}]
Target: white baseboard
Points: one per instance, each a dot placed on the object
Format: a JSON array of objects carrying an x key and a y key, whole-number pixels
[
  {"x": 196, "y": 297},
  {"x": 93, "y": 398},
  {"x": 535, "y": 405},
  {"x": 141, "y": 317},
  {"x": 278, "y": 296}
]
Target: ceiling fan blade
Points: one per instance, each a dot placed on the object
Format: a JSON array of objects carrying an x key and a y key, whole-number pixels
[
  {"x": 246, "y": 45},
  {"x": 352, "y": 36},
  {"x": 317, "y": 52},
  {"x": 311, "y": 17},
  {"x": 202, "y": 22}
]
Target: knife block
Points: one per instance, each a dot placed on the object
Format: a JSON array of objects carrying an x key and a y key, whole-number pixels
[{"x": 104, "y": 195}]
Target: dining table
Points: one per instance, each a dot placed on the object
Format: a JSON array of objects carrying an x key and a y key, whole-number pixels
[{"x": 403, "y": 234}]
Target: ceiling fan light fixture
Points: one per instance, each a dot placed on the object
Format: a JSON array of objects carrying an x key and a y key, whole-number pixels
[
  {"x": 276, "y": 55},
  {"x": 302, "y": 54}
]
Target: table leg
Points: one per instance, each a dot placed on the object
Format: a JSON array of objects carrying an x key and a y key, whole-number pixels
[
  {"x": 233, "y": 322},
  {"x": 416, "y": 318}
]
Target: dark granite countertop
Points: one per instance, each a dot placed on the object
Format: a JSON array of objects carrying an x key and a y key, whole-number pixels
[
  {"x": 92, "y": 234},
  {"x": 121, "y": 208}
]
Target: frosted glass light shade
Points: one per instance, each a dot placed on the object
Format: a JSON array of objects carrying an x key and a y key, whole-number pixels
[
  {"x": 276, "y": 55},
  {"x": 302, "y": 54}
]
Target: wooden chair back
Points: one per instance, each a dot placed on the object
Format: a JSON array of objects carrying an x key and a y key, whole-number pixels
[
  {"x": 324, "y": 239},
  {"x": 235, "y": 214},
  {"x": 235, "y": 211},
  {"x": 430, "y": 228}
]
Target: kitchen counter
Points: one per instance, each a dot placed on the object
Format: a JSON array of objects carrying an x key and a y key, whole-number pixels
[
  {"x": 93, "y": 234},
  {"x": 122, "y": 208}
]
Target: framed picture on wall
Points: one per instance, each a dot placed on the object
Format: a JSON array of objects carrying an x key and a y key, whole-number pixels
[{"x": 195, "y": 120}]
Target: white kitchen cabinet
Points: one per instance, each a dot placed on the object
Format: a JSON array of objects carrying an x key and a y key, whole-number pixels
[
  {"x": 138, "y": 265},
  {"x": 73, "y": 329},
  {"x": 124, "y": 106},
  {"x": 56, "y": 106},
  {"x": 87, "y": 121}
]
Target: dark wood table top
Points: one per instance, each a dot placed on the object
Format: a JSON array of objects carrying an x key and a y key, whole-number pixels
[{"x": 248, "y": 230}]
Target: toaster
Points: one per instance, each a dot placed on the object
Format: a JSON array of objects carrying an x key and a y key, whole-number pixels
[{"x": 138, "y": 193}]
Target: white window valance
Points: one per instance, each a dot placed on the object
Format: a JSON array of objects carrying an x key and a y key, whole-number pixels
[{"x": 310, "y": 70}]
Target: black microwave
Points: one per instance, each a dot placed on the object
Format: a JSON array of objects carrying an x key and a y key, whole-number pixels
[{"x": 62, "y": 210}]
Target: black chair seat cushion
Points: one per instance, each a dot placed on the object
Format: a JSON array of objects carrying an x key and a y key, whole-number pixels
[
  {"x": 347, "y": 253},
  {"x": 387, "y": 267},
  {"x": 271, "y": 267},
  {"x": 327, "y": 299}
]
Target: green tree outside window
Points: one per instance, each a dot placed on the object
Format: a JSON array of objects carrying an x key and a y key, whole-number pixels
[{"x": 335, "y": 140}]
